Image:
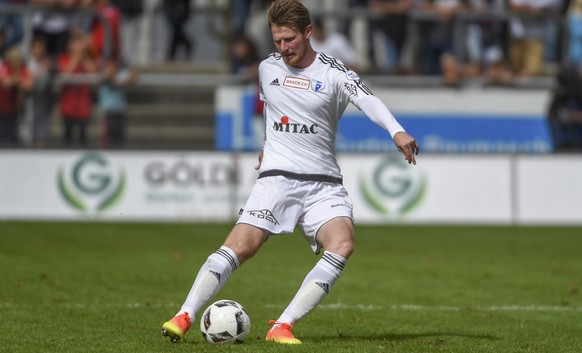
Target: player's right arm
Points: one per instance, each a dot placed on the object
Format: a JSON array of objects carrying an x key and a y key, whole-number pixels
[
  {"x": 258, "y": 166},
  {"x": 264, "y": 99}
]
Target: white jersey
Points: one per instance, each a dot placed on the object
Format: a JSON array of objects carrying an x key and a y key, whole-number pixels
[{"x": 302, "y": 111}]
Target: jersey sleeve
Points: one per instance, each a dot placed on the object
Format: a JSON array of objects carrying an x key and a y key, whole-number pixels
[
  {"x": 355, "y": 91},
  {"x": 261, "y": 93}
]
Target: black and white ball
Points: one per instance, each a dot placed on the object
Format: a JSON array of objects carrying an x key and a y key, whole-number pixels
[{"x": 225, "y": 321}]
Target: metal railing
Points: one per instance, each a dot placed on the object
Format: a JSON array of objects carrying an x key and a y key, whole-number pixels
[{"x": 215, "y": 13}]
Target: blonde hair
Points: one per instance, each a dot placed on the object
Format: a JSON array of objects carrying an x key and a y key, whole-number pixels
[{"x": 289, "y": 13}]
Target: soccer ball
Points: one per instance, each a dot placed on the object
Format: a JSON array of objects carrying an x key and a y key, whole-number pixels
[{"x": 225, "y": 321}]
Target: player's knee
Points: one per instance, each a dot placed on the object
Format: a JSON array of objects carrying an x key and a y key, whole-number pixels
[
  {"x": 343, "y": 247},
  {"x": 246, "y": 252},
  {"x": 242, "y": 250},
  {"x": 346, "y": 248},
  {"x": 245, "y": 244}
]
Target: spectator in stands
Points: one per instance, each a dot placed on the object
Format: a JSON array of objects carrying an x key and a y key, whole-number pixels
[
  {"x": 113, "y": 102},
  {"x": 241, "y": 10},
  {"x": 390, "y": 32},
  {"x": 11, "y": 27},
  {"x": 41, "y": 96},
  {"x": 437, "y": 54},
  {"x": 15, "y": 84},
  {"x": 246, "y": 63},
  {"x": 245, "y": 58},
  {"x": 334, "y": 44},
  {"x": 103, "y": 27},
  {"x": 574, "y": 32},
  {"x": 132, "y": 31},
  {"x": 565, "y": 111},
  {"x": 527, "y": 35},
  {"x": 75, "y": 98},
  {"x": 346, "y": 23},
  {"x": 177, "y": 15},
  {"x": 484, "y": 45},
  {"x": 54, "y": 22}
]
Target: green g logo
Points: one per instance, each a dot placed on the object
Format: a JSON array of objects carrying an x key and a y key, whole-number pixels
[
  {"x": 393, "y": 187},
  {"x": 91, "y": 184}
]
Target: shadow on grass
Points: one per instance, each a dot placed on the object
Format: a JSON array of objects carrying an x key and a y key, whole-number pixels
[{"x": 401, "y": 336}]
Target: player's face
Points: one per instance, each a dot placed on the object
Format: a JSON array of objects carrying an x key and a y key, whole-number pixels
[{"x": 293, "y": 46}]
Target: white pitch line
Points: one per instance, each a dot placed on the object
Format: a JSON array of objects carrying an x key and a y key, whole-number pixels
[
  {"x": 332, "y": 306},
  {"x": 538, "y": 308},
  {"x": 414, "y": 307}
]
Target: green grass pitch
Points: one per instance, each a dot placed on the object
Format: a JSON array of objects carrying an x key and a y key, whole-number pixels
[{"x": 108, "y": 287}]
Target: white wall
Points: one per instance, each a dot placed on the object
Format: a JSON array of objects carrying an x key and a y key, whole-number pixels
[{"x": 185, "y": 186}]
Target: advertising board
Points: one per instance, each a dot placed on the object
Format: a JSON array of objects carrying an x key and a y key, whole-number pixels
[
  {"x": 443, "y": 121},
  {"x": 439, "y": 189},
  {"x": 118, "y": 186},
  {"x": 213, "y": 187}
]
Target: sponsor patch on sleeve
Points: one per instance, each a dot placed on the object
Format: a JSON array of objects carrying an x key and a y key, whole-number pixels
[{"x": 352, "y": 76}]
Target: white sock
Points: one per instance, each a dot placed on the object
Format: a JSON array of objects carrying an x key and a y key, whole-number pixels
[
  {"x": 315, "y": 287},
  {"x": 210, "y": 279}
]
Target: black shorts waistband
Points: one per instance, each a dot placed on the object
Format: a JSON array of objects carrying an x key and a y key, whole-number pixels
[{"x": 302, "y": 177}]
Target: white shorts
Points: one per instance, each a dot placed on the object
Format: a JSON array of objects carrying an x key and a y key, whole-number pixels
[{"x": 278, "y": 204}]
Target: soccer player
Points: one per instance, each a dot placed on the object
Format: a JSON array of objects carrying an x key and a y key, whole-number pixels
[{"x": 299, "y": 182}]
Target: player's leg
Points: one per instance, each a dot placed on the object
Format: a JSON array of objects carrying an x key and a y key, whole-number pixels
[
  {"x": 337, "y": 238},
  {"x": 242, "y": 243}
]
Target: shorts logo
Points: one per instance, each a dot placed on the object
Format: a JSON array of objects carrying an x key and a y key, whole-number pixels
[
  {"x": 296, "y": 82},
  {"x": 264, "y": 214}
]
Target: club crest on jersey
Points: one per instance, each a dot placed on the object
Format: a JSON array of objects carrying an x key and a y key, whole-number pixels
[
  {"x": 296, "y": 82},
  {"x": 316, "y": 85},
  {"x": 352, "y": 76}
]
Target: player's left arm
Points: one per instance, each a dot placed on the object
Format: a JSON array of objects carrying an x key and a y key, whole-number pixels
[{"x": 379, "y": 113}]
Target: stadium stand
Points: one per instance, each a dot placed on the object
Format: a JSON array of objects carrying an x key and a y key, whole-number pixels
[{"x": 172, "y": 104}]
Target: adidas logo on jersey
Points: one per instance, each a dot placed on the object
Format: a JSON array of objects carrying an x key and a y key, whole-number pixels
[{"x": 275, "y": 82}]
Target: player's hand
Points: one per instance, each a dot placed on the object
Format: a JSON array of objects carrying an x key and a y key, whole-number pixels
[
  {"x": 260, "y": 161},
  {"x": 407, "y": 145}
]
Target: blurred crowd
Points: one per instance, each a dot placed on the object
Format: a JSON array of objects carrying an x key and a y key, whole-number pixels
[
  {"x": 81, "y": 53},
  {"x": 492, "y": 42},
  {"x": 74, "y": 46},
  {"x": 502, "y": 40}
]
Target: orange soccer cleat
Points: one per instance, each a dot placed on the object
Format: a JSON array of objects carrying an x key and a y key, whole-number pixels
[
  {"x": 281, "y": 333},
  {"x": 177, "y": 327}
]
